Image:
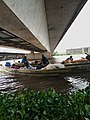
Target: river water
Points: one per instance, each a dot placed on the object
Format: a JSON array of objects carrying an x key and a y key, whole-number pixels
[{"x": 62, "y": 84}]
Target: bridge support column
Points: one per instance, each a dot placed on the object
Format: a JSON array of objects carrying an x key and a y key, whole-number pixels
[{"x": 38, "y": 56}]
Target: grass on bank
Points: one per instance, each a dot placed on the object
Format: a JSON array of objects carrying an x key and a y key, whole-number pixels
[{"x": 45, "y": 105}]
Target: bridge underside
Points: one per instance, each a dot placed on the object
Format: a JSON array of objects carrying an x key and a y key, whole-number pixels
[
  {"x": 11, "y": 40},
  {"x": 36, "y": 25}
]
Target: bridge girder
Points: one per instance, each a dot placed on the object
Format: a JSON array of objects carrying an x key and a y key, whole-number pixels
[{"x": 42, "y": 28}]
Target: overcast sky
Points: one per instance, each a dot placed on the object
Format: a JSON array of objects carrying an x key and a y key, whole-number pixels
[{"x": 78, "y": 35}]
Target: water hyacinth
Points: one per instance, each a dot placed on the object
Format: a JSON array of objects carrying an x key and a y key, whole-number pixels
[{"x": 45, "y": 105}]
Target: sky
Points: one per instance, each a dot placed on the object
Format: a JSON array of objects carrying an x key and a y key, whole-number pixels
[{"x": 78, "y": 35}]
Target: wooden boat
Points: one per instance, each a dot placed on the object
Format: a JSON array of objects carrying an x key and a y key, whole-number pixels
[
  {"x": 81, "y": 65},
  {"x": 69, "y": 69}
]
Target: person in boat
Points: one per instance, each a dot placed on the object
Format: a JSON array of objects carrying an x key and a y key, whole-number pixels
[
  {"x": 27, "y": 64},
  {"x": 25, "y": 61},
  {"x": 43, "y": 63},
  {"x": 68, "y": 60},
  {"x": 87, "y": 56},
  {"x": 44, "y": 60}
]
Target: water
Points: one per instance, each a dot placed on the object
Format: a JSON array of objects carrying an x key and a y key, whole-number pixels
[
  {"x": 62, "y": 84},
  {"x": 8, "y": 83}
]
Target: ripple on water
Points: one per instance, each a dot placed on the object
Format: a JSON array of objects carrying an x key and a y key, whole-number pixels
[
  {"x": 8, "y": 83},
  {"x": 62, "y": 84},
  {"x": 77, "y": 83}
]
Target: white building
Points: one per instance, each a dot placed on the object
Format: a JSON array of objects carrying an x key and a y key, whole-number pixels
[{"x": 78, "y": 50}]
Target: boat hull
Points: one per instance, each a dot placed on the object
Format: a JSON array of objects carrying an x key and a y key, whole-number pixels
[{"x": 69, "y": 69}]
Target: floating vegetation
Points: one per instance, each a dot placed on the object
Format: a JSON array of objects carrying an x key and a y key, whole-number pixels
[{"x": 45, "y": 105}]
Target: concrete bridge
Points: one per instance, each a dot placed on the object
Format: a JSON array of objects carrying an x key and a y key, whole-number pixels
[{"x": 36, "y": 25}]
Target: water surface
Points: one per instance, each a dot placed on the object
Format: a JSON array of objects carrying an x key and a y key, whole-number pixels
[{"x": 62, "y": 83}]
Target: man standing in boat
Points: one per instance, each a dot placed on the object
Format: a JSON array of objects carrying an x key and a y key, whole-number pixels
[{"x": 25, "y": 61}]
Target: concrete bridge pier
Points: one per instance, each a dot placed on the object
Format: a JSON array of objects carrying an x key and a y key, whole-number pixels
[{"x": 38, "y": 55}]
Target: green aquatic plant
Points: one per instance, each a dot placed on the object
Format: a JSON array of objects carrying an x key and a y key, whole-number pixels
[{"x": 45, "y": 105}]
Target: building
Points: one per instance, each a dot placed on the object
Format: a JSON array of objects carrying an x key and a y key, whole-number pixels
[{"x": 78, "y": 50}]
